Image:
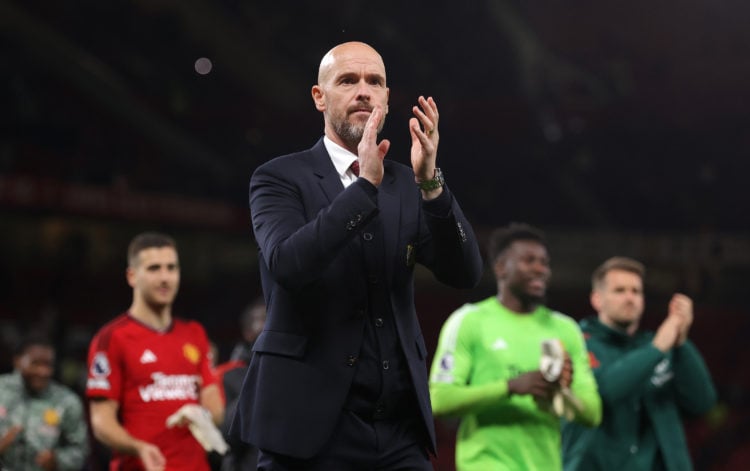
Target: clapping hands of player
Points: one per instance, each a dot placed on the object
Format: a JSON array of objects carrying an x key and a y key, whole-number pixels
[
  {"x": 681, "y": 307},
  {"x": 674, "y": 330}
]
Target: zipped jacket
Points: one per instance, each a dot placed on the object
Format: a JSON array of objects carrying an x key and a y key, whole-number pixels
[{"x": 645, "y": 393}]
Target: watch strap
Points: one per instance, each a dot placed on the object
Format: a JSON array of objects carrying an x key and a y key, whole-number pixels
[{"x": 436, "y": 182}]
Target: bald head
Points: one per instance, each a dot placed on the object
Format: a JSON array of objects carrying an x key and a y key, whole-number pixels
[{"x": 353, "y": 51}]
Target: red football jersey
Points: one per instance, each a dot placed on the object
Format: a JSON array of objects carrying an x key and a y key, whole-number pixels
[{"x": 151, "y": 374}]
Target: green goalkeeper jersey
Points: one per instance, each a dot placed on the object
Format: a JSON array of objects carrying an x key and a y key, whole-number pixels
[{"x": 481, "y": 347}]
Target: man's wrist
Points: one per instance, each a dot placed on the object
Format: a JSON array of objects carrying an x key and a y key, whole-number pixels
[{"x": 437, "y": 181}]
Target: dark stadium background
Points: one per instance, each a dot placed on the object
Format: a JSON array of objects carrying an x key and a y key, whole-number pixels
[{"x": 617, "y": 128}]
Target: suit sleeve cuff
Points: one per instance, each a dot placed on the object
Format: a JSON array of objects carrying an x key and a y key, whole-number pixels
[
  {"x": 370, "y": 190},
  {"x": 440, "y": 206}
]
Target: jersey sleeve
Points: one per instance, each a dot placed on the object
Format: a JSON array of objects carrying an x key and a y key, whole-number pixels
[
  {"x": 208, "y": 377},
  {"x": 584, "y": 385},
  {"x": 451, "y": 392},
  {"x": 104, "y": 368}
]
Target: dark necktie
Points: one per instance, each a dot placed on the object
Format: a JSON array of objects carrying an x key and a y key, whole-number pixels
[{"x": 355, "y": 167}]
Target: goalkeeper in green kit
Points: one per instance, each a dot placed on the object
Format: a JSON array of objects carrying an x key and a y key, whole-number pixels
[{"x": 510, "y": 367}]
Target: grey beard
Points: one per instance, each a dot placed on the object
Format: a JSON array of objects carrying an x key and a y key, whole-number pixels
[{"x": 349, "y": 133}]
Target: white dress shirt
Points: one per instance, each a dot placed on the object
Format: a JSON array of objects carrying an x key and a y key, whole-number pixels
[{"x": 342, "y": 159}]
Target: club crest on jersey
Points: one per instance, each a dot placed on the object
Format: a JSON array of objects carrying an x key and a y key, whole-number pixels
[
  {"x": 51, "y": 417},
  {"x": 192, "y": 353}
]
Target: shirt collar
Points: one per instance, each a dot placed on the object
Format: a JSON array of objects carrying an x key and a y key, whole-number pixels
[{"x": 342, "y": 159}]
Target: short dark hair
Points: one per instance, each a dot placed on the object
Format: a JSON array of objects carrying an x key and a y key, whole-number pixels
[
  {"x": 147, "y": 240},
  {"x": 503, "y": 237},
  {"x": 32, "y": 340},
  {"x": 616, "y": 263}
]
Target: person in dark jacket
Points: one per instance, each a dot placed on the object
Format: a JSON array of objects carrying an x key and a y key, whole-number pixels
[
  {"x": 338, "y": 377},
  {"x": 647, "y": 380}
]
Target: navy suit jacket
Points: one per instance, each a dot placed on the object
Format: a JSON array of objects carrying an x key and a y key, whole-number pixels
[{"x": 305, "y": 224}]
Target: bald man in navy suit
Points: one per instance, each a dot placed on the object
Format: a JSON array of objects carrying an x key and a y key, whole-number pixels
[{"x": 338, "y": 379}]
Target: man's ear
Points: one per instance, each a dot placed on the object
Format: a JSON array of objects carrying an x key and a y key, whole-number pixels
[
  {"x": 498, "y": 268},
  {"x": 130, "y": 276},
  {"x": 319, "y": 97},
  {"x": 596, "y": 300}
]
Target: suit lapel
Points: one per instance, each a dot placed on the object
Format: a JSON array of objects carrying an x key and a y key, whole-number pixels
[{"x": 323, "y": 168}]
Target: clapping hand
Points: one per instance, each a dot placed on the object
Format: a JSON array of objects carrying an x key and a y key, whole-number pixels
[{"x": 424, "y": 138}]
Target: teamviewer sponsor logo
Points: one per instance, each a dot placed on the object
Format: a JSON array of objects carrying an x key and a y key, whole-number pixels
[{"x": 170, "y": 388}]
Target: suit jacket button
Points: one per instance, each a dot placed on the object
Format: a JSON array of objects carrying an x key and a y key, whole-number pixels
[
  {"x": 379, "y": 322},
  {"x": 351, "y": 360}
]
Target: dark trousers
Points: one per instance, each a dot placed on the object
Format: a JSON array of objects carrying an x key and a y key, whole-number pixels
[{"x": 358, "y": 444}]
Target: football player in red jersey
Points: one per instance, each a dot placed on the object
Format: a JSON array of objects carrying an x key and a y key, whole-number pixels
[{"x": 146, "y": 364}]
